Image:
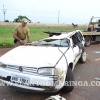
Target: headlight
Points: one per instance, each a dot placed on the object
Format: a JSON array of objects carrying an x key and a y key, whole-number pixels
[
  {"x": 46, "y": 71},
  {"x": 49, "y": 71},
  {"x": 3, "y": 65}
]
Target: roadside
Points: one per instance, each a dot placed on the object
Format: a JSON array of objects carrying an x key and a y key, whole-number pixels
[{"x": 4, "y": 50}]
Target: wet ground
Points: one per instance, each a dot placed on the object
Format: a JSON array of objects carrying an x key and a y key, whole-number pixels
[{"x": 83, "y": 72}]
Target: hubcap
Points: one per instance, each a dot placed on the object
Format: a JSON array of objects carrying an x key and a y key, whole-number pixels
[{"x": 84, "y": 56}]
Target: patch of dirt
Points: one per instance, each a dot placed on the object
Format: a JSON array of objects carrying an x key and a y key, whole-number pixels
[{"x": 4, "y": 50}]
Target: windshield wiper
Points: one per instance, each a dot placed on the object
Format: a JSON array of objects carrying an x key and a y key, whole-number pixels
[
  {"x": 54, "y": 45},
  {"x": 46, "y": 44},
  {"x": 57, "y": 45}
]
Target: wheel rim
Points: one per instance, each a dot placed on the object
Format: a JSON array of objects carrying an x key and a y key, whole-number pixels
[
  {"x": 84, "y": 56},
  {"x": 88, "y": 41}
]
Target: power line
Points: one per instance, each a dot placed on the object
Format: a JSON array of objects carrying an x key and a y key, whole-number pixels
[
  {"x": 4, "y": 11},
  {"x": 58, "y": 16},
  {"x": 32, "y": 11}
]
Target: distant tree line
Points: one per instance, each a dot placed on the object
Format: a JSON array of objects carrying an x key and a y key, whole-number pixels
[
  {"x": 6, "y": 21},
  {"x": 19, "y": 19}
]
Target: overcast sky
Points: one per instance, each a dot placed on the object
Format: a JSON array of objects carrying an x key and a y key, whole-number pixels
[{"x": 46, "y": 11}]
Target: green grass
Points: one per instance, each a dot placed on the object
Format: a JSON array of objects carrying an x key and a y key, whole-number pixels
[
  {"x": 6, "y": 39},
  {"x": 36, "y": 32}
]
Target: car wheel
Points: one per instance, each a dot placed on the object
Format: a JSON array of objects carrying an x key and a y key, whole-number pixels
[
  {"x": 87, "y": 41},
  {"x": 69, "y": 86},
  {"x": 83, "y": 57}
]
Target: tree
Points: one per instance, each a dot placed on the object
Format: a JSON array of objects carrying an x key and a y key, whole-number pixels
[
  {"x": 6, "y": 21},
  {"x": 19, "y": 19}
]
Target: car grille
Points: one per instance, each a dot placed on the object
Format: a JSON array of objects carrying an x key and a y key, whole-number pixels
[{"x": 29, "y": 70}]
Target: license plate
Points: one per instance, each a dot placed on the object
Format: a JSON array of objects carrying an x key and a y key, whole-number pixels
[{"x": 20, "y": 79}]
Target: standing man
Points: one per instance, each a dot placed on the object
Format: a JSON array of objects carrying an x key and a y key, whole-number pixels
[{"x": 21, "y": 32}]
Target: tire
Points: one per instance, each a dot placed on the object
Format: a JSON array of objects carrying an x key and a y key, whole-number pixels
[
  {"x": 87, "y": 41},
  {"x": 69, "y": 80},
  {"x": 83, "y": 57}
]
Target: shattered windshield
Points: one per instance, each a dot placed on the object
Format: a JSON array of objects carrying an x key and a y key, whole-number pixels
[{"x": 54, "y": 42}]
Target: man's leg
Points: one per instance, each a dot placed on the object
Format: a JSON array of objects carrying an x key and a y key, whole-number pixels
[{"x": 18, "y": 43}]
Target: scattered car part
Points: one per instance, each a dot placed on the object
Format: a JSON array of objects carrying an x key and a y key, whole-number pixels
[{"x": 56, "y": 97}]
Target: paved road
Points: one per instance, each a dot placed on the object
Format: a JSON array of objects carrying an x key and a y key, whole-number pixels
[{"x": 83, "y": 72}]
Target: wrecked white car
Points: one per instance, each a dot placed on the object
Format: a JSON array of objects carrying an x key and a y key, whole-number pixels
[{"x": 45, "y": 65}]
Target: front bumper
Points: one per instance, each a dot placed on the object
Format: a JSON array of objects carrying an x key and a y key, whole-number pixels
[{"x": 36, "y": 82}]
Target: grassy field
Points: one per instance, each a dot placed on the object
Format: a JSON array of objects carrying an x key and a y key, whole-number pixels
[{"x": 36, "y": 31}]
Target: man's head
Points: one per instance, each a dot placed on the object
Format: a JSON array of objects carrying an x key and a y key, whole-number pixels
[{"x": 24, "y": 22}]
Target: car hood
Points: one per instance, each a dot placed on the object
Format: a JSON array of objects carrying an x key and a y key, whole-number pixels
[{"x": 32, "y": 56}]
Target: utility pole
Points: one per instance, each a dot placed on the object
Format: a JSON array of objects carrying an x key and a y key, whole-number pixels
[
  {"x": 58, "y": 16},
  {"x": 4, "y": 11}
]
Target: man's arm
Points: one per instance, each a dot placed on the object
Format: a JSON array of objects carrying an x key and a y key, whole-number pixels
[
  {"x": 28, "y": 38},
  {"x": 28, "y": 35}
]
